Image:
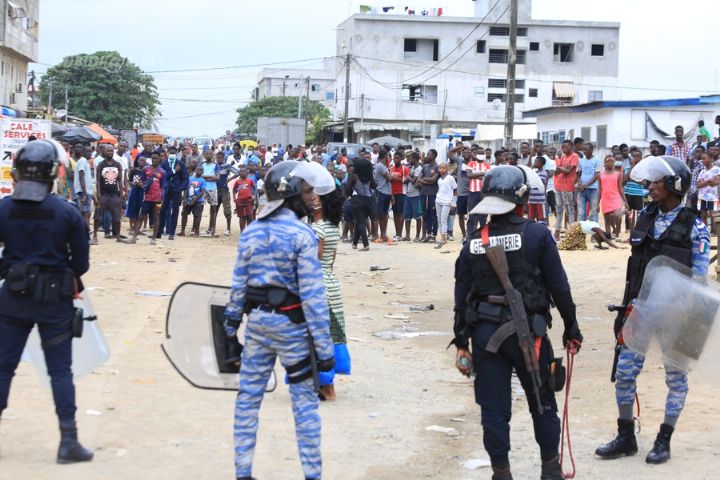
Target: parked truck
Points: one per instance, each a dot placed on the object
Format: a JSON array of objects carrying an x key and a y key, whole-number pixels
[{"x": 281, "y": 131}]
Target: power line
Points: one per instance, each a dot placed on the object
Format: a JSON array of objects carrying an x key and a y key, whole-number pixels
[{"x": 234, "y": 67}]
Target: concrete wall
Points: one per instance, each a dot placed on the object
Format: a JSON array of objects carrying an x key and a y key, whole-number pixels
[{"x": 19, "y": 46}]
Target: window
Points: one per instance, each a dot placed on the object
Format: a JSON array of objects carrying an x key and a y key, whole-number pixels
[
  {"x": 561, "y": 136},
  {"x": 479, "y": 91},
  {"x": 501, "y": 56},
  {"x": 595, "y": 95},
  {"x": 315, "y": 87},
  {"x": 597, "y": 50},
  {"x": 480, "y": 46},
  {"x": 505, "y": 31},
  {"x": 427, "y": 49},
  {"x": 563, "y": 52},
  {"x": 496, "y": 96},
  {"x": 533, "y": 93},
  {"x": 585, "y": 133},
  {"x": 601, "y": 136},
  {"x": 329, "y": 96},
  {"x": 502, "y": 83},
  {"x": 534, "y": 46},
  {"x": 520, "y": 98},
  {"x": 418, "y": 93}
]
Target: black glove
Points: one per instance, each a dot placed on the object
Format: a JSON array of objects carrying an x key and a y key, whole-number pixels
[
  {"x": 326, "y": 365},
  {"x": 572, "y": 334}
]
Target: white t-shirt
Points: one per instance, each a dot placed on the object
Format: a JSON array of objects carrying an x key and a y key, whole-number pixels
[
  {"x": 269, "y": 156},
  {"x": 83, "y": 165},
  {"x": 550, "y": 165},
  {"x": 446, "y": 185}
]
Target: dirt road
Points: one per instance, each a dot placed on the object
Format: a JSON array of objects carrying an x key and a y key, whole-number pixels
[{"x": 145, "y": 422}]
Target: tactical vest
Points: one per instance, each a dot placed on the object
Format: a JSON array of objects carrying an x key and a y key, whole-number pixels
[
  {"x": 526, "y": 278},
  {"x": 675, "y": 242}
]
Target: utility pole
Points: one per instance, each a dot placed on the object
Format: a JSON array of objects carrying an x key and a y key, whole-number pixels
[
  {"x": 512, "y": 59},
  {"x": 442, "y": 117},
  {"x": 307, "y": 100},
  {"x": 49, "y": 105},
  {"x": 66, "y": 104},
  {"x": 300, "y": 111},
  {"x": 362, "y": 118},
  {"x": 285, "y": 84},
  {"x": 346, "y": 130}
]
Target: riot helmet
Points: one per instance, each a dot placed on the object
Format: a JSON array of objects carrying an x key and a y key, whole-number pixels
[
  {"x": 672, "y": 171},
  {"x": 284, "y": 185},
  {"x": 35, "y": 168},
  {"x": 504, "y": 187}
]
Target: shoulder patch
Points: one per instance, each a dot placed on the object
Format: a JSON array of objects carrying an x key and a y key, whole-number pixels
[{"x": 511, "y": 242}]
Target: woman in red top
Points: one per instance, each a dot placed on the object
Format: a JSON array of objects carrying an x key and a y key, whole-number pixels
[
  {"x": 244, "y": 192},
  {"x": 399, "y": 173}
]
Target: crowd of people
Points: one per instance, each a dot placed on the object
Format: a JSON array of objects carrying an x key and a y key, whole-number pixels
[{"x": 158, "y": 187}]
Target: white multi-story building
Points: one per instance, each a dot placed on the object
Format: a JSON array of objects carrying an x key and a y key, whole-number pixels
[
  {"x": 319, "y": 83},
  {"x": 18, "y": 46},
  {"x": 413, "y": 75}
]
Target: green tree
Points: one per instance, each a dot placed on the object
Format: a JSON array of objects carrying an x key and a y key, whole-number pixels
[
  {"x": 317, "y": 114},
  {"x": 103, "y": 87}
]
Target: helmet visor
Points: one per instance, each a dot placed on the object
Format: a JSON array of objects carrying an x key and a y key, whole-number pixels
[
  {"x": 651, "y": 169},
  {"x": 316, "y": 175},
  {"x": 533, "y": 179}
]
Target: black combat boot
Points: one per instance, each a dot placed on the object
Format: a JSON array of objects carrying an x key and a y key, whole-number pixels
[
  {"x": 551, "y": 469},
  {"x": 660, "y": 452},
  {"x": 70, "y": 450},
  {"x": 624, "y": 444},
  {"x": 501, "y": 472}
]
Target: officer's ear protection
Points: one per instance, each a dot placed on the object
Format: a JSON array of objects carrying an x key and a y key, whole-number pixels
[
  {"x": 520, "y": 192},
  {"x": 673, "y": 183}
]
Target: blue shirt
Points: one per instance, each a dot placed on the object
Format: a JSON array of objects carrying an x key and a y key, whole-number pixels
[
  {"x": 281, "y": 250},
  {"x": 210, "y": 169},
  {"x": 700, "y": 237},
  {"x": 589, "y": 167},
  {"x": 195, "y": 186}
]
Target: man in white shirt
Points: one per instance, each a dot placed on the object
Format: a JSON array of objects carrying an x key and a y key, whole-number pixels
[
  {"x": 236, "y": 159},
  {"x": 549, "y": 168}
]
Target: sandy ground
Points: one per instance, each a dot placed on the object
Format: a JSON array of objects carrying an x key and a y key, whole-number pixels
[{"x": 154, "y": 425}]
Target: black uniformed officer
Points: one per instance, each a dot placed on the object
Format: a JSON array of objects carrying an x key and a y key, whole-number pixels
[
  {"x": 536, "y": 272},
  {"x": 46, "y": 252}
]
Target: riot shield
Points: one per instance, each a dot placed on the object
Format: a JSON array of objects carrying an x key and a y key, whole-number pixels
[
  {"x": 195, "y": 341},
  {"x": 673, "y": 311},
  {"x": 89, "y": 351}
]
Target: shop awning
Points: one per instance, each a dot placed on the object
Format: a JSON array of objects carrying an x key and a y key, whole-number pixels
[
  {"x": 106, "y": 137},
  {"x": 564, "y": 89}
]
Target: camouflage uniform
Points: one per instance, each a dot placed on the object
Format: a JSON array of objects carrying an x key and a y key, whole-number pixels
[{"x": 280, "y": 251}]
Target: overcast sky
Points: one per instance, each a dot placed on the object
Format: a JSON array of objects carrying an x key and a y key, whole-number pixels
[{"x": 662, "y": 46}]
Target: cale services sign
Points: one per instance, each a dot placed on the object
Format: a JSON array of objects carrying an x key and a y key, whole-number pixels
[{"x": 15, "y": 133}]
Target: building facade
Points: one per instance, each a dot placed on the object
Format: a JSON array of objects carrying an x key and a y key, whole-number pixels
[
  {"x": 318, "y": 83},
  {"x": 19, "y": 31},
  {"x": 633, "y": 122},
  {"x": 416, "y": 76}
]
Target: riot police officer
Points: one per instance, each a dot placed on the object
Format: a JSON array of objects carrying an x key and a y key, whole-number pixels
[
  {"x": 666, "y": 227},
  {"x": 481, "y": 310},
  {"x": 46, "y": 252},
  {"x": 278, "y": 282}
]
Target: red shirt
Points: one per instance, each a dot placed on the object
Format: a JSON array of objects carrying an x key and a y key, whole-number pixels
[
  {"x": 155, "y": 177},
  {"x": 476, "y": 166},
  {"x": 243, "y": 190},
  {"x": 397, "y": 185},
  {"x": 565, "y": 182}
]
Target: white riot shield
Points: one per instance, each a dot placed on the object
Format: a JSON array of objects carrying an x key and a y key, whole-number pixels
[
  {"x": 195, "y": 339},
  {"x": 675, "y": 312},
  {"x": 89, "y": 351}
]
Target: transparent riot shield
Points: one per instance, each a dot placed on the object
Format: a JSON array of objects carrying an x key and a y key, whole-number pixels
[
  {"x": 89, "y": 351},
  {"x": 195, "y": 341},
  {"x": 673, "y": 311}
]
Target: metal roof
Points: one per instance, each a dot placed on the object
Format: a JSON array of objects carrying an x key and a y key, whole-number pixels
[{"x": 591, "y": 106}]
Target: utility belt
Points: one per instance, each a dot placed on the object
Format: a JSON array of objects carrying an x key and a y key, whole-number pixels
[
  {"x": 43, "y": 284},
  {"x": 274, "y": 300}
]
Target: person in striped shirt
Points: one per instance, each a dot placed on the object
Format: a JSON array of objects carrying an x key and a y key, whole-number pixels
[{"x": 476, "y": 169}]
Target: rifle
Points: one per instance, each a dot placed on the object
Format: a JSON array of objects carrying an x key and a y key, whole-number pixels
[
  {"x": 498, "y": 260},
  {"x": 313, "y": 363},
  {"x": 622, "y": 314}
]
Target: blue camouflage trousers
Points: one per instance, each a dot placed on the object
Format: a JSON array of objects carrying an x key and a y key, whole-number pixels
[
  {"x": 267, "y": 336},
  {"x": 629, "y": 366}
]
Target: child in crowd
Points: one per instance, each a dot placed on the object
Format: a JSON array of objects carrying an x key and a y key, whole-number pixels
[
  {"x": 194, "y": 202},
  {"x": 135, "y": 198},
  {"x": 244, "y": 192},
  {"x": 153, "y": 186},
  {"x": 536, "y": 203},
  {"x": 447, "y": 188},
  {"x": 707, "y": 183},
  {"x": 613, "y": 203}
]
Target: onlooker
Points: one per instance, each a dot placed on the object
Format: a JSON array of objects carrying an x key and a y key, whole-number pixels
[
  {"x": 707, "y": 184},
  {"x": 109, "y": 192},
  {"x": 194, "y": 202},
  {"x": 428, "y": 190},
  {"x": 399, "y": 174},
  {"x": 696, "y": 166},
  {"x": 361, "y": 185},
  {"x": 633, "y": 192},
  {"x": 612, "y": 197},
  {"x": 447, "y": 187},
  {"x": 210, "y": 174},
  {"x": 136, "y": 196},
  {"x": 536, "y": 202},
  {"x": 566, "y": 172},
  {"x": 475, "y": 169},
  {"x": 83, "y": 183},
  {"x": 153, "y": 186},
  {"x": 224, "y": 196},
  {"x": 383, "y": 197},
  {"x": 412, "y": 208},
  {"x": 176, "y": 183},
  {"x": 463, "y": 185},
  {"x": 589, "y": 169},
  {"x": 680, "y": 149},
  {"x": 244, "y": 193}
]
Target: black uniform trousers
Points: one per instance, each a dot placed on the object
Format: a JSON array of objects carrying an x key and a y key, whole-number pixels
[
  {"x": 493, "y": 393},
  {"x": 58, "y": 358}
]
